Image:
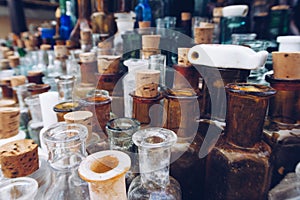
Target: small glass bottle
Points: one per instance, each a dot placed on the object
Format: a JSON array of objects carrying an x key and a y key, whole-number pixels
[
  {"x": 36, "y": 123},
  {"x": 100, "y": 105},
  {"x": 120, "y": 131},
  {"x": 66, "y": 148},
  {"x": 154, "y": 147},
  {"x": 240, "y": 152},
  {"x": 65, "y": 86}
]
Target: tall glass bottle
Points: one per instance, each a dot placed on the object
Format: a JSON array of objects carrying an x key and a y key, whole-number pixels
[
  {"x": 154, "y": 147},
  {"x": 66, "y": 148},
  {"x": 241, "y": 152}
]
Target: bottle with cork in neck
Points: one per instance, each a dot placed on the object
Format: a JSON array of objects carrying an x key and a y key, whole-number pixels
[{"x": 150, "y": 46}]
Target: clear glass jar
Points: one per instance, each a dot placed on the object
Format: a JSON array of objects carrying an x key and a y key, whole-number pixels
[
  {"x": 120, "y": 131},
  {"x": 22, "y": 188},
  {"x": 65, "y": 86},
  {"x": 36, "y": 123},
  {"x": 66, "y": 148},
  {"x": 154, "y": 147}
]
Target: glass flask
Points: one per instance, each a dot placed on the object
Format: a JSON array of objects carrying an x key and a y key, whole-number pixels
[
  {"x": 66, "y": 149},
  {"x": 241, "y": 152},
  {"x": 120, "y": 131},
  {"x": 105, "y": 173},
  {"x": 154, "y": 147},
  {"x": 36, "y": 123},
  {"x": 22, "y": 188}
]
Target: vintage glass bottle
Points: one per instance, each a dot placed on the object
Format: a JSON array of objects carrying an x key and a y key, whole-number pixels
[
  {"x": 154, "y": 147},
  {"x": 240, "y": 152},
  {"x": 120, "y": 131},
  {"x": 66, "y": 149}
]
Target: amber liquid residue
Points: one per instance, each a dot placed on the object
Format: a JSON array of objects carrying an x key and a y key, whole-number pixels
[{"x": 104, "y": 164}]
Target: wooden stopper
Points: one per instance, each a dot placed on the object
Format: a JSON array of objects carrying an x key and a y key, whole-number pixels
[
  {"x": 185, "y": 16},
  {"x": 144, "y": 24},
  {"x": 7, "y": 103},
  {"x": 150, "y": 42},
  {"x": 4, "y": 64},
  {"x": 86, "y": 36},
  {"x": 14, "y": 61},
  {"x": 108, "y": 64},
  {"x": 17, "y": 80},
  {"x": 182, "y": 57},
  {"x": 286, "y": 65},
  {"x": 80, "y": 117},
  {"x": 19, "y": 158},
  {"x": 87, "y": 57},
  {"x": 145, "y": 54},
  {"x": 60, "y": 51},
  {"x": 105, "y": 44},
  {"x": 34, "y": 73},
  {"x": 147, "y": 83},
  {"x": 9, "y": 123},
  {"x": 203, "y": 35},
  {"x": 45, "y": 47},
  {"x": 207, "y": 25}
]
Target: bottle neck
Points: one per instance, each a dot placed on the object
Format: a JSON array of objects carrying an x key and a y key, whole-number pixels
[
  {"x": 154, "y": 166},
  {"x": 245, "y": 117},
  {"x": 84, "y": 9}
]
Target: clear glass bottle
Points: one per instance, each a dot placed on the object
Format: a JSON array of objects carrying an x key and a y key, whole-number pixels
[
  {"x": 18, "y": 188},
  {"x": 120, "y": 131},
  {"x": 154, "y": 147},
  {"x": 36, "y": 123},
  {"x": 158, "y": 62},
  {"x": 66, "y": 148},
  {"x": 241, "y": 152},
  {"x": 65, "y": 86}
]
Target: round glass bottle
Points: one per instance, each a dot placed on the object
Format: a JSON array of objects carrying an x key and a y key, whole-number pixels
[
  {"x": 66, "y": 149},
  {"x": 154, "y": 147}
]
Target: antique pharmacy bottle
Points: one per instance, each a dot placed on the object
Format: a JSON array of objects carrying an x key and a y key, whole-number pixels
[
  {"x": 146, "y": 98},
  {"x": 143, "y": 11},
  {"x": 240, "y": 152},
  {"x": 154, "y": 147},
  {"x": 181, "y": 113},
  {"x": 105, "y": 173},
  {"x": 36, "y": 123},
  {"x": 66, "y": 148},
  {"x": 120, "y": 131}
]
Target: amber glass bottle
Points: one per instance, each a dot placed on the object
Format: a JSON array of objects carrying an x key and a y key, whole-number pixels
[{"x": 239, "y": 166}]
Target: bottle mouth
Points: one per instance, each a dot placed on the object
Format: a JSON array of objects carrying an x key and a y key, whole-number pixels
[
  {"x": 154, "y": 138},
  {"x": 62, "y": 132},
  {"x": 250, "y": 89},
  {"x": 104, "y": 165},
  {"x": 122, "y": 124}
]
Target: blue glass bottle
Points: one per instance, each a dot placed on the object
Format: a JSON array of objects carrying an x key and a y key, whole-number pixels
[{"x": 143, "y": 12}]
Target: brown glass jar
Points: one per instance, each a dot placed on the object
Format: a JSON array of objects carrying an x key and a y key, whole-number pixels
[
  {"x": 186, "y": 77},
  {"x": 239, "y": 166},
  {"x": 214, "y": 97},
  {"x": 65, "y": 107},
  {"x": 38, "y": 88},
  {"x": 282, "y": 127},
  {"x": 88, "y": 67},
  {"x": 147, "y": 110},
  {"x": 100, "y": 106}
]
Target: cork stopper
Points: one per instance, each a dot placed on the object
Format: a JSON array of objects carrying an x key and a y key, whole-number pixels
[
  {"x": 17, "y": 80},
  {"x": 207, "y": 25},
  {"x": 108, "y": 64},
  {"x": 9, "y": 123},
  {"x": 182, "y": 57},
  {"x": 19, "y": 158},
  {"x": 203, "y": 35},
  {"x": 45, "y": 47},
  {"x": 107, "y": 44},
  {"x": 147, "y": 82},
  {"x": 34, "y": 73},
  {"x": 280, "y": 7},
  {"x": 145, "y": 54},
  {"x": 185, "y": 16},
  {"x": 87, "y": 57},
  {"x": 150, "y": 42},
  {"x": 60, "y": 51},
  {"x": 86, "y": 35},
  {"x": 286, "y": 65},
  {"x": 144, "y": 24},
  {"x": 4, "y": 64},
  {"x": 7, "y": 103},
  {"x": 14, "y": 61}
]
